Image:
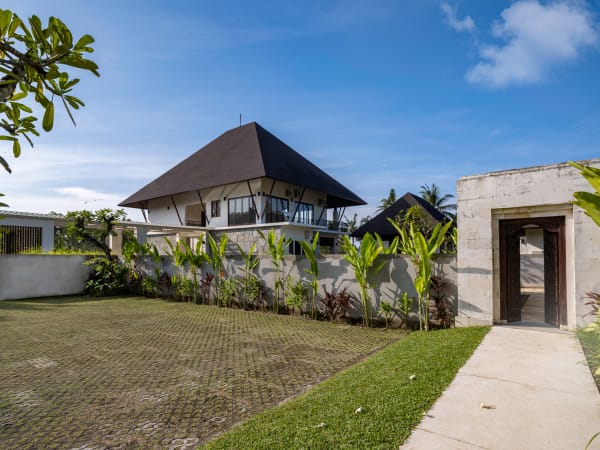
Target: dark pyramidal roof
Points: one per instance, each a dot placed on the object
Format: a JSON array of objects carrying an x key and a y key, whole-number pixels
[
  {"x": 380, "y": 224},
  {"x": 240, "y": 154}
]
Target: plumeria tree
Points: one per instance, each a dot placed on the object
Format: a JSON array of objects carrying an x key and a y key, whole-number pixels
[{"x": 35, "y": 64}]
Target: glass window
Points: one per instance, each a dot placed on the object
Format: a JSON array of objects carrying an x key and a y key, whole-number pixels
[
  {"x": 304, "y": 213},
  {"x": 215, "y": 208},
  {"x": 241, "y": 211},
  {"x": 277, "y": 210}
]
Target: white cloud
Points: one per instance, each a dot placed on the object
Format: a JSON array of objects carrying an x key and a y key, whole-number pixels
[
  {"x": 537, "y": 38},
  {"x": 466, "y": 24}
]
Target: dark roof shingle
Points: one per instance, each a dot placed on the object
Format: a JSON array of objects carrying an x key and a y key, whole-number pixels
[{"x": 243, "y": 153}]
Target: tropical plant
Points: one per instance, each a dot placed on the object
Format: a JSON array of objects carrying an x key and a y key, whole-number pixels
[
  {"x": 442, "y": 308},
  {"x": 387, "y": 311},
  {"x": 388, "y": 201},
  {"x": 195, "y": 257},
  {"x": 182, "y": 254},
  {"x": 150, "y": 287},
  {"x": 588, "y": 201},
  {"x": 594, "y": 302},
  {"x": 335, "y": 306},
  {"x": 295, "y": 294},
  {"x": 215, "y": 259},
  {"x": 277, "y": 248},
  {"x": 107, "y": 277},
  {"x": 434, "y": 197},
  {"x": 33, "y": 62},
  {"x": 421, "y": 251},
  {"x": 365, "y": 220},
  {"x": 405, "y": 307},
  {"x": 364, "y": 261},
  {"x": 89, "y": 230},
  {"x": 228, "y": 295},
  {"x": 418, "y": 218},
  {"x": 310, "y": 252},
  {"x": 248, "y": 289},
  {"x": 205, "y": 285}
]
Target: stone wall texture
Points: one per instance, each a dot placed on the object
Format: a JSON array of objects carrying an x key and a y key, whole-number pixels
[{"x": 483, "y": 200}]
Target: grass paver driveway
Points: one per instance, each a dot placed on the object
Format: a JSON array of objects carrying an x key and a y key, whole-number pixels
[{"x": 132, "y": 372}]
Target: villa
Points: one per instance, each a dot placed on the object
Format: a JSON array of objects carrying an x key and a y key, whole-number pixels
[{"x": 245, "y": 180}]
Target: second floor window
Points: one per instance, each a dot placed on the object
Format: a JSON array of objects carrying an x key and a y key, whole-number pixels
[
  {"x": 277, "y": 210},
  {"x": 241, "y": 211},
  {"x": 304, "y": 213}
]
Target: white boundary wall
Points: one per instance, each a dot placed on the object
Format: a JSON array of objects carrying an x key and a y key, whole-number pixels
[
  {"x": 28, "y": 276},
  {"x": 335, "y": 273}
]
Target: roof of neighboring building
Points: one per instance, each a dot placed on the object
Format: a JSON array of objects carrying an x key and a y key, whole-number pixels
[
  {"x": 380, "y": 224},
  {"x": 5, "y": 214},
  {"x": 243, "y": 153}
]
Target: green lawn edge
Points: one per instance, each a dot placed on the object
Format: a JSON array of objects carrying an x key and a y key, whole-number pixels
[
  {"x": 392, "y": 399},
  {"x": 589, "y": 337}
]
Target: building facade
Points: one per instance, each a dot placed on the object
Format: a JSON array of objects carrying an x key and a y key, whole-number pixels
[{"x": 246, "y": 180}]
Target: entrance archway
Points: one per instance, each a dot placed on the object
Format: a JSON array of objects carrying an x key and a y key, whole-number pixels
[{"x": 555, "y": 305}]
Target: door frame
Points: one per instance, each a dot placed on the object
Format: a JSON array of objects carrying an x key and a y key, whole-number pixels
[{"x": 507, "y": 227}]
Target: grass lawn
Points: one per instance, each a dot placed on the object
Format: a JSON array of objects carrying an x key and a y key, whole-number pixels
[
  {"x": 142, "y": 373},
  {"x": 590, "y": 341},
  {"x": 393, "y": 401}
]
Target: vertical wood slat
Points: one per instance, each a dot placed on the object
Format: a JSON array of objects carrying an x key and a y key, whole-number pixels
[{"x": 16, "y": 239}]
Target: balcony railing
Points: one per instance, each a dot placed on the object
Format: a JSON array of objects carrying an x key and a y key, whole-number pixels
[{"x": 331, "y": 225}]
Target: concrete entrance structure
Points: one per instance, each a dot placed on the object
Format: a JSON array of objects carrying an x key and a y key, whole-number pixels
[{"x": 483, "y": 201}]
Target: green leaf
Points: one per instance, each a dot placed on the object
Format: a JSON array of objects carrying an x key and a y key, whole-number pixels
[
  {"x": 590, "y": 203},
  {"x": 18, "y": 96},
  {"x": 4, "y": 164},
  {"x": 48, "y": 120},
  {"x": 81, "y": 63},
  {"x": 5, "y": 18},
  {"x": 16, "y": 149},
  {"x": 13, "y": 26},
  {"x": 83, "y": 42}
]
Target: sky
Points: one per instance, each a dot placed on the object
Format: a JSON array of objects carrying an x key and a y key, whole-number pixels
[{"x": 379, "y": 94}]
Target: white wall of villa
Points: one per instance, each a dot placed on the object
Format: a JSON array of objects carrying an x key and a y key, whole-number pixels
[{"x": 164, "y": 210}]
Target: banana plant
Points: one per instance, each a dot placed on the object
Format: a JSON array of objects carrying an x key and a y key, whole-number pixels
[
  {"x": 182, "y": 253},
  {"x": 310, "y": 251},
  {"x": 217, "y": 253},
  {"x": 195, "y": 257},
  {"x": 364, "y": 261},
  {"x": 251, "y": 260},
  {"x": 422, "y": 253},
  {"x": 277, "y": 248}
]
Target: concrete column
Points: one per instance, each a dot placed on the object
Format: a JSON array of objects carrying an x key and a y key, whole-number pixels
[
  {"x": 141, "y": 234},
  {"x": 116, "y": 242}
]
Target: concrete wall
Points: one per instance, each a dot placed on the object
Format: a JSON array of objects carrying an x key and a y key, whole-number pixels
[
  {"x": 484, "y": 200},
  {"x": 335, "y": 274},
  {"x": 532, "y": 271},
  {"x": 27, "y": 276}
]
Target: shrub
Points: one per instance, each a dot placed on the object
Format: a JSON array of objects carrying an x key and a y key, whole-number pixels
[
  {"x": 296, "y": 294},
  {"x": 441, "y": 312},
  {"x": 107, "y": 277},
  {"x": 335, "y": 306}
]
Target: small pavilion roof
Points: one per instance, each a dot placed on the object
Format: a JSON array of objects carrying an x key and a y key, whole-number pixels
[{"x": 380, "y": 224}]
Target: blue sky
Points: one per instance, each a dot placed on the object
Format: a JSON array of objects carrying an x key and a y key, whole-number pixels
[{"x": 379, "y": 94}]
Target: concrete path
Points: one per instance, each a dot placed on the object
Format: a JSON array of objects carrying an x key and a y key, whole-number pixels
[{"x": 522, "y": 389}]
